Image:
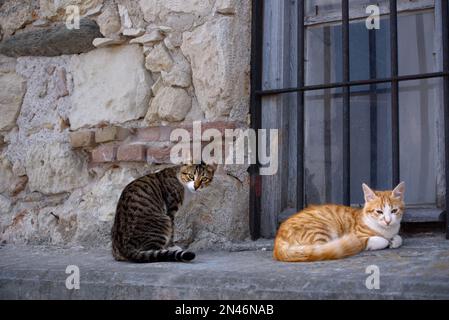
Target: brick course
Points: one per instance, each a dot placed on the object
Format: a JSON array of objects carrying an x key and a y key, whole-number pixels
[{"x": 131, "y": 152}]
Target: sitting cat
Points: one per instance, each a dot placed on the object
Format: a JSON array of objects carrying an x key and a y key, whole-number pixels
[
  {"x": 143, "y": 226},
  {"x": 332, "y": 231}
]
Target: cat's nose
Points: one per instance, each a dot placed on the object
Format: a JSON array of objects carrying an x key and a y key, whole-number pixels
[{"x": 388, "y": 222}]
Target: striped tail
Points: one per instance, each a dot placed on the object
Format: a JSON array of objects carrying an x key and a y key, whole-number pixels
[
  {"x": 345, "y": 246},
  {"x": 160, "y": 256}
]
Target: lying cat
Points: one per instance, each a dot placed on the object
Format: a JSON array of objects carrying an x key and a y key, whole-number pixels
[
  {"x": 332, "y": 231},
  {"x": 143, "y": 225}
]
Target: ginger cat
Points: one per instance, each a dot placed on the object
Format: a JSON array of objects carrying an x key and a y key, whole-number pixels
[{"x": 331, "y": 231}]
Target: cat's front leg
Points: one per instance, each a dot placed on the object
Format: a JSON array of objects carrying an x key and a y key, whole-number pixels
[
  {"x": 395, "y": 242},
  {"x": 376, "y": 243}
]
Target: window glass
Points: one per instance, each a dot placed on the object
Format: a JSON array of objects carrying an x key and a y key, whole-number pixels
[{"x": 370, "y": 110}]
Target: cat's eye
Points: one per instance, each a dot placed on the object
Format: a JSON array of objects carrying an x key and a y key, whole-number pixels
[
  {"x": 204, "y": 179},
  {"x": 394, "y": 211},
  {"x": 190, "y": 176},
  {"x": 379, "y": 211}
]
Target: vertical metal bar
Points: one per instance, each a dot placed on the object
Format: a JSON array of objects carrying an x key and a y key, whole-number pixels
[
  {"x": 373, "y": 108},
  {"x": 300, "y": 115},
  {"x": 346, "y": 104},
  {"x": 327, "y": 104},
  {"x": 255, "y": 113},
  {"x": 394, "y": 93},
  {"x": 445, "y": 35}
]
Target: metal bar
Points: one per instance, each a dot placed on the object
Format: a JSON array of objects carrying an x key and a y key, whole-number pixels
[
  {"x": 353, "y": 83},
  {"x": 255, "y": 113},
  {"x": 346, "y": 105},
  {"x": 373, "y": 108},
  {"x": 300, "y": 114},
  {"x": 327, "y": 116},
  {"x": 395, "y": 175},
  {"x": 445, "y": 35}
]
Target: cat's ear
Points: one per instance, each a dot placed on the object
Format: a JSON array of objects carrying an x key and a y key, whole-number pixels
[
  {"x": 368, "y": 193},
  {"x": 398, "y": 192}
]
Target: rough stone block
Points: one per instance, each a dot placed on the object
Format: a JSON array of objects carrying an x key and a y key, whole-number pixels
[
  {"x": 120, "y": 69},
  {"x": 213, "y": 46},
  {"x": 54, "y": 168},
  {"x": 12, "y": 91},
  {"x": 172, "y": 104}
]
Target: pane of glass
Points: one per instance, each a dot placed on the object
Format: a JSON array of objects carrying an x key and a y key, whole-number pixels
[
  {"x": 370, "y": 154},
  {"x": 418, "y": 128},
  {"x": 370, "y": 139},
  {"x": 323, "y": 146},
  {"x": 416, "y": 43},
  {"x": 370, "y": 50},
  {"x": 324, "y": 53}
]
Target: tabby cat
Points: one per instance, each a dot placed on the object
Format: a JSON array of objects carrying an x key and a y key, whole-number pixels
[
  {"x": 332, "y": 231},
  {"x": 143, "y": 226}
]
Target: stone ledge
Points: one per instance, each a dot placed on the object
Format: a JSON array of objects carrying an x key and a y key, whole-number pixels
[{"x": 417, "y": 270}]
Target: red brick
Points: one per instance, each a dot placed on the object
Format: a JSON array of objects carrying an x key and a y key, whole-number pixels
[
  {"x": 106, "y": 153},
  {"x": 131, "y": 152},
  {"x": 81, "y": 139},
  {"x": 111, "y": 134},
  {"x": 219, "y": 125},
  {"x": 149, "y": 134},
  {"x": 164, "y": 133},
  {"x": 158, "y": 154}
]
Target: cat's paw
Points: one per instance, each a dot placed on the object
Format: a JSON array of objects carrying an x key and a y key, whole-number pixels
[
  {"x": 377, "y": 243},
  {"x": 395, "y": 242}
]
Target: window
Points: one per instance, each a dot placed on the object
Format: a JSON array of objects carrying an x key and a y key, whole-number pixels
[{"x": 370, "y": 105}]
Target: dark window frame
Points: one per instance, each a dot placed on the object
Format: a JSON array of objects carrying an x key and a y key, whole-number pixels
[{"x": 257, "y": 93}]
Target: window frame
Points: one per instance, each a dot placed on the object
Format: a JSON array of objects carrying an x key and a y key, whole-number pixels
[{"x": 257, "y": 93}]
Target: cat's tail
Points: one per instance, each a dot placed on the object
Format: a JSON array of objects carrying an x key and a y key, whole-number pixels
[
  {"x": 345, "y": 246},
  {"x": 162, "y": 255}
]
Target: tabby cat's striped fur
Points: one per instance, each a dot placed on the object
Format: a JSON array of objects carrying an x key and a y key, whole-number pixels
[
  {"x": 143, "y": 226},
  {"x": 333, "y": 231}
]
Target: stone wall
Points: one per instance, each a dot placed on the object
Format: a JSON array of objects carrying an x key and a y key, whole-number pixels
[{"x": 84, "y": 112}]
